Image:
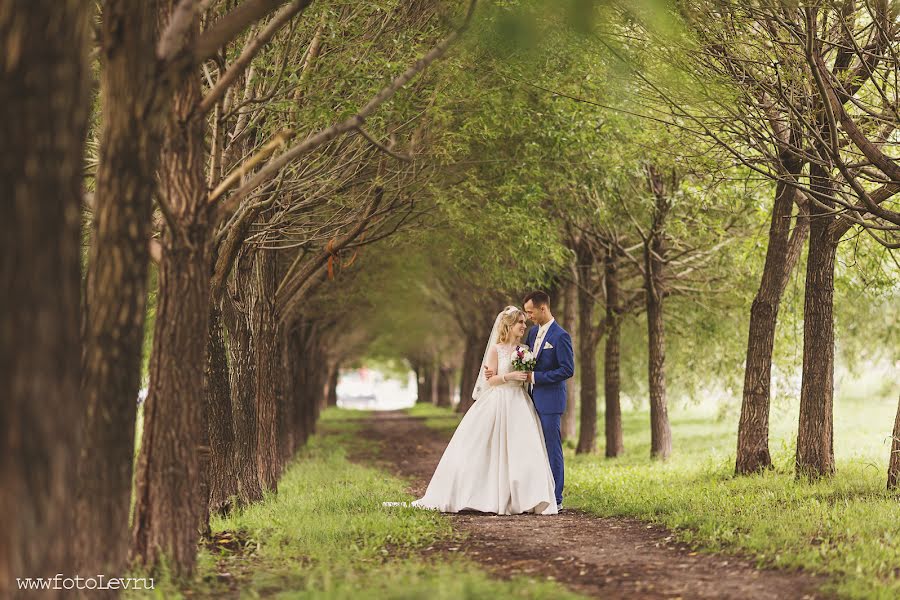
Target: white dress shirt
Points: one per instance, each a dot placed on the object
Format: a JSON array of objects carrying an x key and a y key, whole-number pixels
[
  {"x": 539, "y": 343},
  {"x": 541, "y": 334}
]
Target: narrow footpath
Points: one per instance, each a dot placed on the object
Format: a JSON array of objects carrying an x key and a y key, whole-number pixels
[{"x": 597, "y": 557}]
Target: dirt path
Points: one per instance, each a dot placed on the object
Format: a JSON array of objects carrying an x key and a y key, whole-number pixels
[{"x": 606, "y": 558}]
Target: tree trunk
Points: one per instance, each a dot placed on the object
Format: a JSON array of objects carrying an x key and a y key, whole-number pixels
[
  {"x": 294, "y": 391},
  {"x": 308, "y": 380},
  {"x": 243, "y": 365},
  {"x": 815, "y": 445},
  {"x": 429, "y": 387},
  {"x": 45, "y": 98},
  {"x": 615, "y": 444},
  {"x": 569, "y": 424},
  {"x": 221, "y": 472},
  {"x": 471, "y": 366},
  {"x": 333, "y": 377},
  {"x": 894, "y": 464},
  {"x": 302, "y": 391},
  {"x": 445, "y": 387},
  {"x": 660, "y": 433},
  {"x": 317, "y": 376},
  {"x": 654, "y": 264},
  {"x": 169, "y": 510},
  {"x": 587, "y": 356},
  {"x": 753, "y": 430},
  {"x": 286, "y": 410},
  {"x": 263, "y": 330},
  {"x": 116, "y": 282}
]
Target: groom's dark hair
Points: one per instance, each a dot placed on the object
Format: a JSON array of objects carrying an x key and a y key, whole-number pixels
[{"x": 538, "y": 298}]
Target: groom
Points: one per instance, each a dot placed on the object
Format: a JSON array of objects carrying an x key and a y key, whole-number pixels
[{"x": 552, "y": 346}]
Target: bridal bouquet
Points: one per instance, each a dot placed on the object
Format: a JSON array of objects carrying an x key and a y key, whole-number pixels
[{"x": 523, "y": 359}]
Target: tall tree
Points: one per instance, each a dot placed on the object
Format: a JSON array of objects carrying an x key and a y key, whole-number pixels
[
  {"x": 45, "y": 94},
  {"x": 782, "y": 252},
  {"x": 810, "y": 79},
  {"x": 655, "y": 249},
  {"x": 166, "y": 518},
  {"x": 223, "y": 481},
  {"x": 117, "y": 278},
  {"x": 615, "y": 443},
  {"x": 168, "y": 509},
  {"x": 589, "y": 336}
]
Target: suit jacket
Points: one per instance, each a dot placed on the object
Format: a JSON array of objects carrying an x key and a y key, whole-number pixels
[{"x": 555, "y": 364}]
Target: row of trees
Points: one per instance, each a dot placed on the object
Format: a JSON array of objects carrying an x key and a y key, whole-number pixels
[
  {"x": 302, "y": 184},
  {"x": 812, "y": 108},
  {"x": 245, "y": 154},
  {"x": 647, "y": 204}
]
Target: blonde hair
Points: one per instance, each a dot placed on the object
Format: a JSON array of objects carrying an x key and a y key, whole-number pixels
[{"x": 510, "y": 317}]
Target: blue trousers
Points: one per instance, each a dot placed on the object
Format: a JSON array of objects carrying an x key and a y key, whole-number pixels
[{"x": 550, "y": 422}]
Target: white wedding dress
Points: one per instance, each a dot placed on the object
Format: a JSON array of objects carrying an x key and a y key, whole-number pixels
[{"x": 496, "y": 461}]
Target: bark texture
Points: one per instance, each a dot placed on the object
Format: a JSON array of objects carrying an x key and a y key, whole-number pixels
[
  {"x": 263, "y": 328},
  {"x": 445, "y": 386},
  {"x": 45, "y": 97},
  {"x": 815, "y": 443},
  {"x": 427, "y": 376},
  {"x": 306, "y": 381},
  {"x": 334, "y": 374},
  {"x": 654, "y": 265},
  {"x": 221, "y": 473},
  {"x": 753, "y": 430},
  {"x": 243, "y": 365},
  {"x": 287, "y": 409},
  {"x": 116, "y": 283},
  {"x": 170, "y": 508},
  {"x": 471, "y": 364},
  {"x": 615, "y": 444}
]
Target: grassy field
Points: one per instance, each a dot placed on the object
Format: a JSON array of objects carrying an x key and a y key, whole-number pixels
[
  {"x": 326, "y": 535},
  {"x": 847, "y": 528}
]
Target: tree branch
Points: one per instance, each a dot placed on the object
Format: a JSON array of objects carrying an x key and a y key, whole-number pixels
[
  {"x": 279, "y": 140},
  {"x": 323, "y": 136},
  {"x": 286, "y": 299},
  {"x": 174, "y": 37},
  {"x": 382, "y": 147},
  {"x": 229, "y": 26},
  {"x": 251, "y": 49}
]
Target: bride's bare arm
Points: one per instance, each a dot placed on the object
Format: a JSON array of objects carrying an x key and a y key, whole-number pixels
[
  {"x": 492, "y": 361},
  {"x": 492, "y": 365}
]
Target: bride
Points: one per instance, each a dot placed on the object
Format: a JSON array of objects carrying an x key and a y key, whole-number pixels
[{"x": 496, "y": 461}]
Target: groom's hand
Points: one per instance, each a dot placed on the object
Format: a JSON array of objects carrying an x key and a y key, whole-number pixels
[{"x": 488, "y": 373}]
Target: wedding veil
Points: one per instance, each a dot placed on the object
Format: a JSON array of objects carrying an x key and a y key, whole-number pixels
[{"x": 481, "y": 383}]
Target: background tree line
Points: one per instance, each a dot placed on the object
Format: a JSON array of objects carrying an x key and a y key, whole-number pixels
[{"x": 230, "y": 200}]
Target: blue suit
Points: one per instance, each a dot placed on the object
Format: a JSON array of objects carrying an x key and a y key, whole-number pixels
[{"x": 555, "y": 364}]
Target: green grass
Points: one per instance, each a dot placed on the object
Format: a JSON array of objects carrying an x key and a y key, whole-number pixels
[
  {"x": 846, "y": 528},
  {"x": 441, "y": 419},
  {"x": 326, "y": 535}
]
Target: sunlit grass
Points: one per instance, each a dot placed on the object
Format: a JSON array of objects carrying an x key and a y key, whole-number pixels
[{"x": 847, "y": 527}]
